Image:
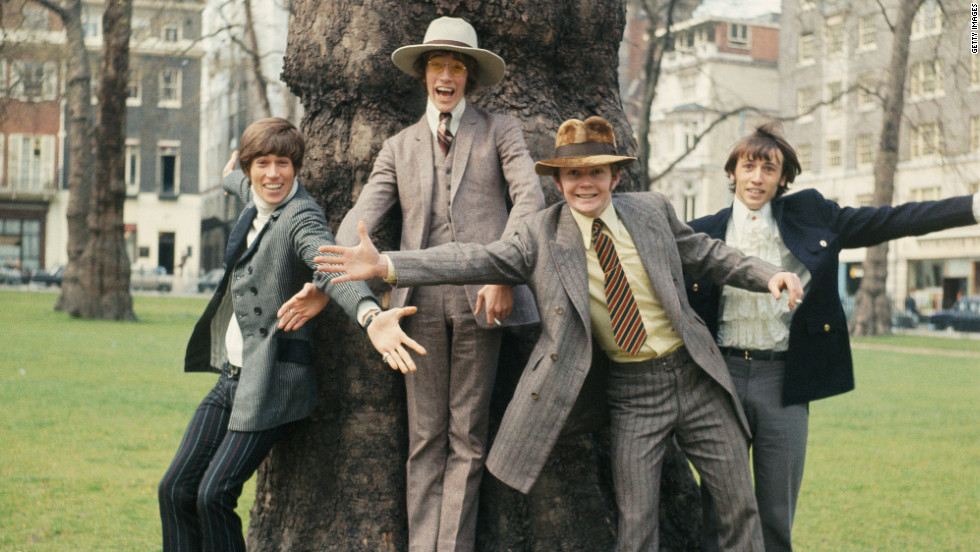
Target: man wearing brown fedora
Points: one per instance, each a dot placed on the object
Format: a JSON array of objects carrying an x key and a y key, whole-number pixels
[
  {"x": 451, "y": 174},
  {"x": 609, "y": 268}
]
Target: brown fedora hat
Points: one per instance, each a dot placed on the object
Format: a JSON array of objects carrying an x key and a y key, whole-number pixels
[{"x": 583, "y": 144}]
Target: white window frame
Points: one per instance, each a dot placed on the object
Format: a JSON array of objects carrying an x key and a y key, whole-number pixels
[
  {"x": 866, "y": 100},
  {"x": 804, "y": 152},
  {"x": 926, "y": 79},
  {"x": 135, "y": 77},
  {"x": 835, "y": 158},
  {"x": 734, "y": 39},
  {"x": 836, "y": 42},
  {"x": 974, "y": 71},
  {"x": 865, "y": 155},
  {"x": 41, "y": 175},
  {"x": 867, "y": 32},
  {"x": 35, "y": 18},
  {"x": 835, "y": 97},
  {"x": 172, "y": 103},
  {"x": 166, "y": 148},
  {"x": 91, "y": 24},
  {"x": 131, "y": 173},
  {"x": 805, "y": 47},
  {"x": 924, "y": 141},
  {"x": 805, "y": 99},
  {"x": 170, "y": 28},
  {"x": 922, "y": 25},
  {"x": 49, "y": 80}
]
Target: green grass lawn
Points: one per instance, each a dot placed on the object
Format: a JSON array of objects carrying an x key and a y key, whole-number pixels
[{"x": 93, "y": 412}]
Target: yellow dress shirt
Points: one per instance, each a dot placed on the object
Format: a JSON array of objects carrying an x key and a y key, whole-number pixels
[{"x": 661, "y": 337}]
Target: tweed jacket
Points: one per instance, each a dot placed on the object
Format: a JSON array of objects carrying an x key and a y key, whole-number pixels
[
  {"x": 547, "y": 252},
  {"x": 278, "y": 380},
  {"x": 490, "y": 163},
  {"x": 815, "y": 229}
]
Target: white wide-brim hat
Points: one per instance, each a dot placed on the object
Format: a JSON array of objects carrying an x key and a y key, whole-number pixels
[{"x": 454, "y": 35}]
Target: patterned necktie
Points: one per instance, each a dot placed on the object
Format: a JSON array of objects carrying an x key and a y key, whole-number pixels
[
  {"x": 625, "y": 316},
  {"x": 445, "y": 137}
]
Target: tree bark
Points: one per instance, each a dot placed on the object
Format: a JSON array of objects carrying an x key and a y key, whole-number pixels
[
  {"x": 872, "y": 310},
  {"x": 80, "y": 159},
  {"x": 338, "y": 483},
  {"x": 104, "y": 266}
]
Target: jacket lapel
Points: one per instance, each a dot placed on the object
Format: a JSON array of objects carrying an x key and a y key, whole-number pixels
[
  {"x": 423, "y": 170},
  {"x": 568, "y": 252},
  {"x": 238, "y": 234},
  {"x": 649, "y": 240},
  {"x": 463, "y": 143}
]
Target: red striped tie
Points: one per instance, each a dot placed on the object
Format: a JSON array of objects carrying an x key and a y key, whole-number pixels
[
  {"x": 625, "y": 316},
  {"x": 445, "y": 137}
]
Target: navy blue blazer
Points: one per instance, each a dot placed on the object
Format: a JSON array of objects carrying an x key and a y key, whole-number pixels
[{"x": 815, "y": 229}]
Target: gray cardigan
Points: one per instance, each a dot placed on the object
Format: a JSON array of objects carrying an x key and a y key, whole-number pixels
[{"x": 278, "y": 380}]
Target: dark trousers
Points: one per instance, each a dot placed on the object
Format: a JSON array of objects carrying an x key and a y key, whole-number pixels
[{"x": 200, "y": 490}]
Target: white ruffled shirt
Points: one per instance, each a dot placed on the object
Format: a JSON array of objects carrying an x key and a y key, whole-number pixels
[{"x": 754, "y": 320}]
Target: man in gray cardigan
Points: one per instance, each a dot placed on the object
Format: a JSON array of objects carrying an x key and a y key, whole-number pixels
[{"x": 267, "y": 377}]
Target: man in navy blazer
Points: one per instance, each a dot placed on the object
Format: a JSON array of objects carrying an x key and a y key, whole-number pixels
[{"x": 781, "y": 361}]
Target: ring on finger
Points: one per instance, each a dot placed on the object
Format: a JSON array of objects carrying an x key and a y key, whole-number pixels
[{"x": 384, "y": 357}]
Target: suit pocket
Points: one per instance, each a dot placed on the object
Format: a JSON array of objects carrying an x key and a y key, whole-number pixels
[{"x": 297, "y": 351}]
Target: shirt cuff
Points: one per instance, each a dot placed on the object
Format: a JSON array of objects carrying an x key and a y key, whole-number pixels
[
  {"x": 364, "y": 308},
  {"x": 976, "y": 206},
  {"x": 392, "y": 277}
]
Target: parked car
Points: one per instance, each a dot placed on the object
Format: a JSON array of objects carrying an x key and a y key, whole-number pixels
[
  {"x": 155, "y": 279},
  {"x": 964, "y": 316},
  {"x": 49, "y": 278},
  {"x": 210, "y": 280},
  {"x": 11, "y": 275}
]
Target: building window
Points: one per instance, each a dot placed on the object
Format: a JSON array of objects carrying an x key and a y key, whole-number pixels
[
  {"x": 169, "y": 87},
  {"x": 688, "y": 81},
  {"x": 171, "y": 32},
  {"x": 867, "y": 35},
  {"x": 805, "y": 154},
  {"x": 34, "y": 81},
  {"x": 975, "y": 134},
  {"x": 928, "y": 20},
  {"x": 806, "y": 48},
  {"x": 974, "y": 70},
  {"x": 834, "y": 92},
  {"x": 738, "y": 35},
  {"x": 926, "y": 79},
  {"x": 168, "y": 157},
  {"x": 804, "y": 100},
  {"x": 833, "y": 153},
  {"x": 35, "y": 18},
  {"x": 30, "y": 165},
  {"x": 132, "y": 167},
  {"x": 924, "y": 141},
  {"x": 690, "y": 135},
  {"x": 928, "y": 193},
  {"x": 865, "y": 153},
  {"x": 867, "y": 89},
  {"x": 134, "y": 88},
  {"x": 835, "y": 39},
  {"x": 91, "y": 25}
]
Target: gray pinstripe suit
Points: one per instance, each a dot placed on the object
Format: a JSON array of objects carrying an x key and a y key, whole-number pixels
[
  {"x": 461, "y": 197},
  {"x": 243, "y": 417},
  {"x": 547, "y": 253}
]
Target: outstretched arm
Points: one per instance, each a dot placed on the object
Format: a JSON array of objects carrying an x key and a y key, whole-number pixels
[
  {"x": 391, "y": 341},
  {"x": 361, "y": 262}
]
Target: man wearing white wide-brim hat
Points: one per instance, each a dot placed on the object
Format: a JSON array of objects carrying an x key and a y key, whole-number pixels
[{"x": 451, "y": 174}]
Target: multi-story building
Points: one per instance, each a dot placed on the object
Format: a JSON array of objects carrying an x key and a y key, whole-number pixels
[
  {"x": 231, "y": 102},
  {"x": 162, "y": 207},
  {"x": 834, "y": 58},
  {"x": 720, "y": 74}
]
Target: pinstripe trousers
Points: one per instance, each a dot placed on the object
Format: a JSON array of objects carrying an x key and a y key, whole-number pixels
[
  {"x": 200, "y": 490},
  {"x": 648, "y": 402}
]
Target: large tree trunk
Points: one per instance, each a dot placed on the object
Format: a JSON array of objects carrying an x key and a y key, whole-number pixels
[
  {"x": 79, "y": 104},
  {"x": 338, "y": 482},
  {"x": 104, "y": 265},
  {"x": 872, "y": 310}
]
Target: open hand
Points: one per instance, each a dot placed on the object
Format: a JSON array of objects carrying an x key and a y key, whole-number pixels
[
  {"x": 303, "y": 306},
  {"x": 355, "y": 263},
  {"x": 388, "y": 339}
]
